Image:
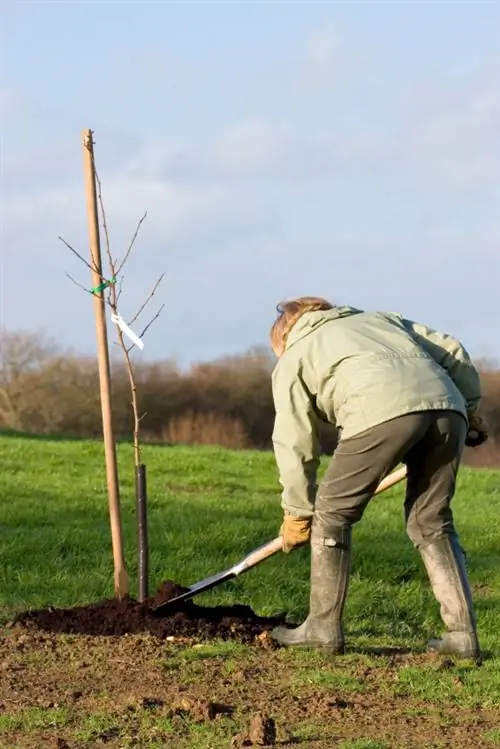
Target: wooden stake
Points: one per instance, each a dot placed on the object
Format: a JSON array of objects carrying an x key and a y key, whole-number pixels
[{"x": 120, "y": 572}]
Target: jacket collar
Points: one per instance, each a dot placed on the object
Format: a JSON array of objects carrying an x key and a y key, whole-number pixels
[{"x": 310, "y": 321}]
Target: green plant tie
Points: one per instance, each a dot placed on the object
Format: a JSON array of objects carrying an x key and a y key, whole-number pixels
[{"x": 104, "y": 285}]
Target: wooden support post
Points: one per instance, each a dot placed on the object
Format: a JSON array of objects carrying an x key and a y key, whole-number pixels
[{"x": 120, "y": 572}]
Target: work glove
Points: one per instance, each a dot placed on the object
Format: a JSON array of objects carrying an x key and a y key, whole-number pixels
[
  {"x": 295, "y": 532},
  {"x": 478, "y": 429}
]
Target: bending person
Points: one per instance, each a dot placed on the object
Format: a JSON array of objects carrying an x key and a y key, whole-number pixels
[{"x": 399, "y": 393}]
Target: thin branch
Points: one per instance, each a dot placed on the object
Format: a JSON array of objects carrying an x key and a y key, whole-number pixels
[
  {"x": 77, "y": 283},
  {"x": 113, "y": 295},
  {"x": 80, "y": 257},
  {"x": 106, "y": 230},
  {"x": 132, "y": 241},
  {"x": 148, "y": 326},
  {"x": 144, "y": 305},
  {"x": 152, "y": 321},
  {"x": 112, "y": 263},
  {"x": 120, "y": 289},
  {"x": 88, "y": 291}
]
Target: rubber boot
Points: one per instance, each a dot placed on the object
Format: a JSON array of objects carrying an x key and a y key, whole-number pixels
[
  {"x": 330, "y": 564},
  {"x": 445, "y": 564}
]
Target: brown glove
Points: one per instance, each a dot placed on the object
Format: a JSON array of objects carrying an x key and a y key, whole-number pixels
[
  {"x": 478, "y": 428},
  {"x": 295, "y": 531}
]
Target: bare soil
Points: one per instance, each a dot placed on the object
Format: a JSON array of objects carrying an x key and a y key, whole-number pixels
[
  {"x": 112, "y": 674},
  {"x": 114, "y": 617}
]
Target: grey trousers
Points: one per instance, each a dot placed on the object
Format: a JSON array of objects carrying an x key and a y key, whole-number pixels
[{"x": 430, "y": 443}]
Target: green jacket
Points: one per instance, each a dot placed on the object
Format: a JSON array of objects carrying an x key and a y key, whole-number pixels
[{"x": 355, "y": 370}]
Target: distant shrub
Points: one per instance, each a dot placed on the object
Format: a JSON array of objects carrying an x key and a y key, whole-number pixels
[
  {"x": 225, "y": 402},
  {"x": 206, "y": 429}
]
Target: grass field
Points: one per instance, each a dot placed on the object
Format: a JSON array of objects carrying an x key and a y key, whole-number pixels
[{"x": 207, "y": 508}]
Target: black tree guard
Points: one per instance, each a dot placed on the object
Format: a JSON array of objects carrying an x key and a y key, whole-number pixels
[{"x": 142, "y": 531}]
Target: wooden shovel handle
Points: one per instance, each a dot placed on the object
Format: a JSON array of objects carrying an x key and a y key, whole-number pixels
[
  {"x": 393, "y": 478},
  {"x": 272, "y": 547},
  {"x": 257, "y": 556}
]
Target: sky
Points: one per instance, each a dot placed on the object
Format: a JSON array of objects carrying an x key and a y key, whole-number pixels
[{"x": 348, "y": 150}]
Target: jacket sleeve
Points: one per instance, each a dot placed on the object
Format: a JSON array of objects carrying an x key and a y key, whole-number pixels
[
  {"x": 296, "y": 444},
  {"x": 451, "y": 356}
]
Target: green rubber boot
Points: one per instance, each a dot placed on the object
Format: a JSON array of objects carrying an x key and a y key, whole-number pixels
[
  {"x": 445, "y": 564},
  {"x": 330, "y": 564}
]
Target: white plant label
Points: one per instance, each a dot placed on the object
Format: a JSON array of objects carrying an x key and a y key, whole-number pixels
[{"x": 118, "y": 320}]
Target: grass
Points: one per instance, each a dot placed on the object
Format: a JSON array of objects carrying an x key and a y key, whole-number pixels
[
  {"x": 32, "y": 719},
  {"x": 494, "y": 737},
  {"x": 208, "y": 507},
  {"x": 363, "y": 744}
]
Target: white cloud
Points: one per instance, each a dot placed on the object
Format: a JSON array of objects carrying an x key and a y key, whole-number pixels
[
  {"x": 12, "y": 103},
  {"x": 441, "y": 133},
  {"x": 258, "y": 148},
  {"x": 323, "y": 60},
  {"x": 326, "y": 63},
  {"x": 450, "y": 130},
  {"x": 176, "y": 214},
  {"x": 223, "y": 216}
]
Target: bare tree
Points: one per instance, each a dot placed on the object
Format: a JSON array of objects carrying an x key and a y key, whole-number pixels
[
  {"x": 112, "y": 285},
  {"x": 108, "y": 291}
]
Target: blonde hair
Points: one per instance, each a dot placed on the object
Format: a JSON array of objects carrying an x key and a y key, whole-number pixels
[{"x": 288, "y": 314}]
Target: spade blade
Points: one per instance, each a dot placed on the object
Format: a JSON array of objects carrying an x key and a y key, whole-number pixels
[{"x": 251, "y": 560}]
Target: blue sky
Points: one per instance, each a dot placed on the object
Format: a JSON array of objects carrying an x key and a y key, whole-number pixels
[{"x": 350, "y": 150}]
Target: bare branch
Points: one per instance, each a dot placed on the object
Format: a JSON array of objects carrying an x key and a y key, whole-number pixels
[
  {"x": 112, "y": 296},
  {"x": 112, "y": 262},
  {"x": 132, "y": 241},
  {"x": 80, "y": 257},
  {"x": 113, "y": 301},
  {"x": 133, "y": 395},
  {"x": 77, "y": 283},
  {"x": 152, "y": 320},
  {"x": 106, "y": 234},
  {"x": 120, "y": 289},
  {"x": 144, "y": 305},
  {"x": 88, "y": 291}
]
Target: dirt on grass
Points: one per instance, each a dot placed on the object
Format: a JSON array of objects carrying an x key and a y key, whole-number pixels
[
  {"x": 114, "y": 617},
  {"x": 111, "y": 674}
]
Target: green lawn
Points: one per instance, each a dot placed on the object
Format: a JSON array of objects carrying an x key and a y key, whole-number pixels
[{"x": 207, "y": 508}]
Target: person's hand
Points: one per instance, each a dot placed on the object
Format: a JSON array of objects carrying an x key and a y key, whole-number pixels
[
  {"x": 295, "y": 531},
  {"x": 478, "y": 429}
]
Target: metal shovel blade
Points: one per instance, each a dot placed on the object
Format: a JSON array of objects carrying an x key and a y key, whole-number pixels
[{"x": 252, "y": 559}]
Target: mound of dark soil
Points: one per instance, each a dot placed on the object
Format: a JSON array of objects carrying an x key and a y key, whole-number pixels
[{"x": 128, "y": 616}]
